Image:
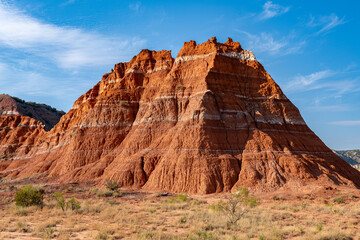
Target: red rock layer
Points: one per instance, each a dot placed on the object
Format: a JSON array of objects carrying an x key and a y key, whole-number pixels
[{"x": 208, "y": 121}]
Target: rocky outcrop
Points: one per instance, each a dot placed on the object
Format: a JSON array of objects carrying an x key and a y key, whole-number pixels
[
  {"x": 41, "y": 112},
  {"x": 208, "y": 121}
]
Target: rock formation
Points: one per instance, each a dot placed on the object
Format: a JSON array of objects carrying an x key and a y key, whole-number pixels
[
  {"x": 208, "y": 121},
  {"x": 43, "y": 113},
  {"x": 352, "y": 157}
]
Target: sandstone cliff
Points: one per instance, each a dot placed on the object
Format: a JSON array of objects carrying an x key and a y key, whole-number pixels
[{"x": 208, "y": 121}]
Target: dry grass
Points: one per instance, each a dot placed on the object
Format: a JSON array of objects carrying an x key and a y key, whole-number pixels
[{"x": 148, "y": 216}]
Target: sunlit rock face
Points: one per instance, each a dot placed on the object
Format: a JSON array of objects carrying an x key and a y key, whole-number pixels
[{"x": 208, "y": 121}]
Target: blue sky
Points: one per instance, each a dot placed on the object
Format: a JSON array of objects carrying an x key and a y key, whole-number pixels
[{"x": 54, "y": 51}]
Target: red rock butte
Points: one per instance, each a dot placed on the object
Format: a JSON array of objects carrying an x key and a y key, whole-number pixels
[{"x": 208, "y": 121}]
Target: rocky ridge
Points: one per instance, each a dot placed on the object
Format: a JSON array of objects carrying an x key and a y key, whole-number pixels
[
  {"x": 208, "y": 121},
  {"x": 41, "y": 112},
  {"x": 350, "y": 156}
]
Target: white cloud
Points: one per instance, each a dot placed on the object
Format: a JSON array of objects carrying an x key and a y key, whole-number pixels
[
  {"x": 302, "y": 81},
  {"x": 271, "y": 10},
  {"x": 326, "y": 23},
  {"x": 68, "y": 47},
  {"x": 346, "y": 123},
  {"x": 265, "y": 42}
]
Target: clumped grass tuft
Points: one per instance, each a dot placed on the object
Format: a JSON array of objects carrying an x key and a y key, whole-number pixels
[
  {"x": 21, "y": 212},
  {"x": 179, "y": 198}
]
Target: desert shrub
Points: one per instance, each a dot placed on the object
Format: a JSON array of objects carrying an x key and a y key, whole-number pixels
[
  {"x": 73, "y": 204},
  {"x": 29, "y": 196},
  {"x": 237, "y": 206},
  {"x": 112, "y": 185},
  {"x": 60, "y": 200},
  {"x": 102, "y": 236},
  {"x": 338, "y": 200}
]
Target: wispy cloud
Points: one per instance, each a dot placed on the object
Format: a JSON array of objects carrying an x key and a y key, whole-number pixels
[
  {"x": 68, "y": 47},
  {"x": 302, "y": 81},
  {"x": 68, "y": 2},
  {"x": 135, "y": 6},
  {"x": 266, "y": 43},
  {"x": 326, "y": 23},
  {"x": 271, "y": 10},
  {"x": 346, "y": 123},
  {"x": 318, "y": 106},
  {"x": 327, "y": 80}
]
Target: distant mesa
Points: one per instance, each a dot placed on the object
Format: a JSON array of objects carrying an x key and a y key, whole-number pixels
[{"x": 208, "y": 121}]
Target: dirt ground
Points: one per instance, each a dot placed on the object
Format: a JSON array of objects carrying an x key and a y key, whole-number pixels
[{"x": 126, "y": 214}]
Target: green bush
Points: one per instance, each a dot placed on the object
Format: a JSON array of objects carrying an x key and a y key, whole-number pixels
[
  {"x": 29, "y": 196},
  {"x": 112, "y": 185}
]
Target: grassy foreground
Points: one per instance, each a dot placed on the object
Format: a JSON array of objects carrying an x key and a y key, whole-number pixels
[{"x": 105, "y": 214}]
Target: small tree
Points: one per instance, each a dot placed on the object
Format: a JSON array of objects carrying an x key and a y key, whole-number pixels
[
  {"x": 29, "y": 196},
  {"x": 60, "y": 200},
  {"x": 237, "y": 206}
]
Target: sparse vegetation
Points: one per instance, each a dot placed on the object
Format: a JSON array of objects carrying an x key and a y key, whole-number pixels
[
  {"x": 72, "y": 204},
  {"x": 166, "y": 216}
]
